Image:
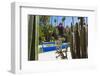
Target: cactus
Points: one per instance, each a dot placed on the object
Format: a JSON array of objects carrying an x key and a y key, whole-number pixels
[
  {"x": 31, "y": 44},
  {"x": 77, "y": 41},
  {"x": 71, "y": 43},
  {"x": 83, "y": 39}
]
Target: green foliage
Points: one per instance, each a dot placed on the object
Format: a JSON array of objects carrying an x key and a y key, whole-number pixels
[
  {"x": 75, "y": 35},
  {"x": 63, "y": 19}
]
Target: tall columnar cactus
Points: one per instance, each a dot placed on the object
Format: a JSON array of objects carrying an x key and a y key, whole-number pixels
[
  {"x": 71, "y": 43},
  {"x": 84, "y": 54},
  {"x": 81, "y": 36},
  {"x": 77, "y": 42},
  {"x": 83, "y": 39},
  {"x": 31, "y": 37}
]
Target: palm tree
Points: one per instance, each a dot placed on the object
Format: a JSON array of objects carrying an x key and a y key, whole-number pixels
[
  {"x": 55, "y": 20},
  {"x": 63, "y": 20},
  {"x": 73, "y": 22}
]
